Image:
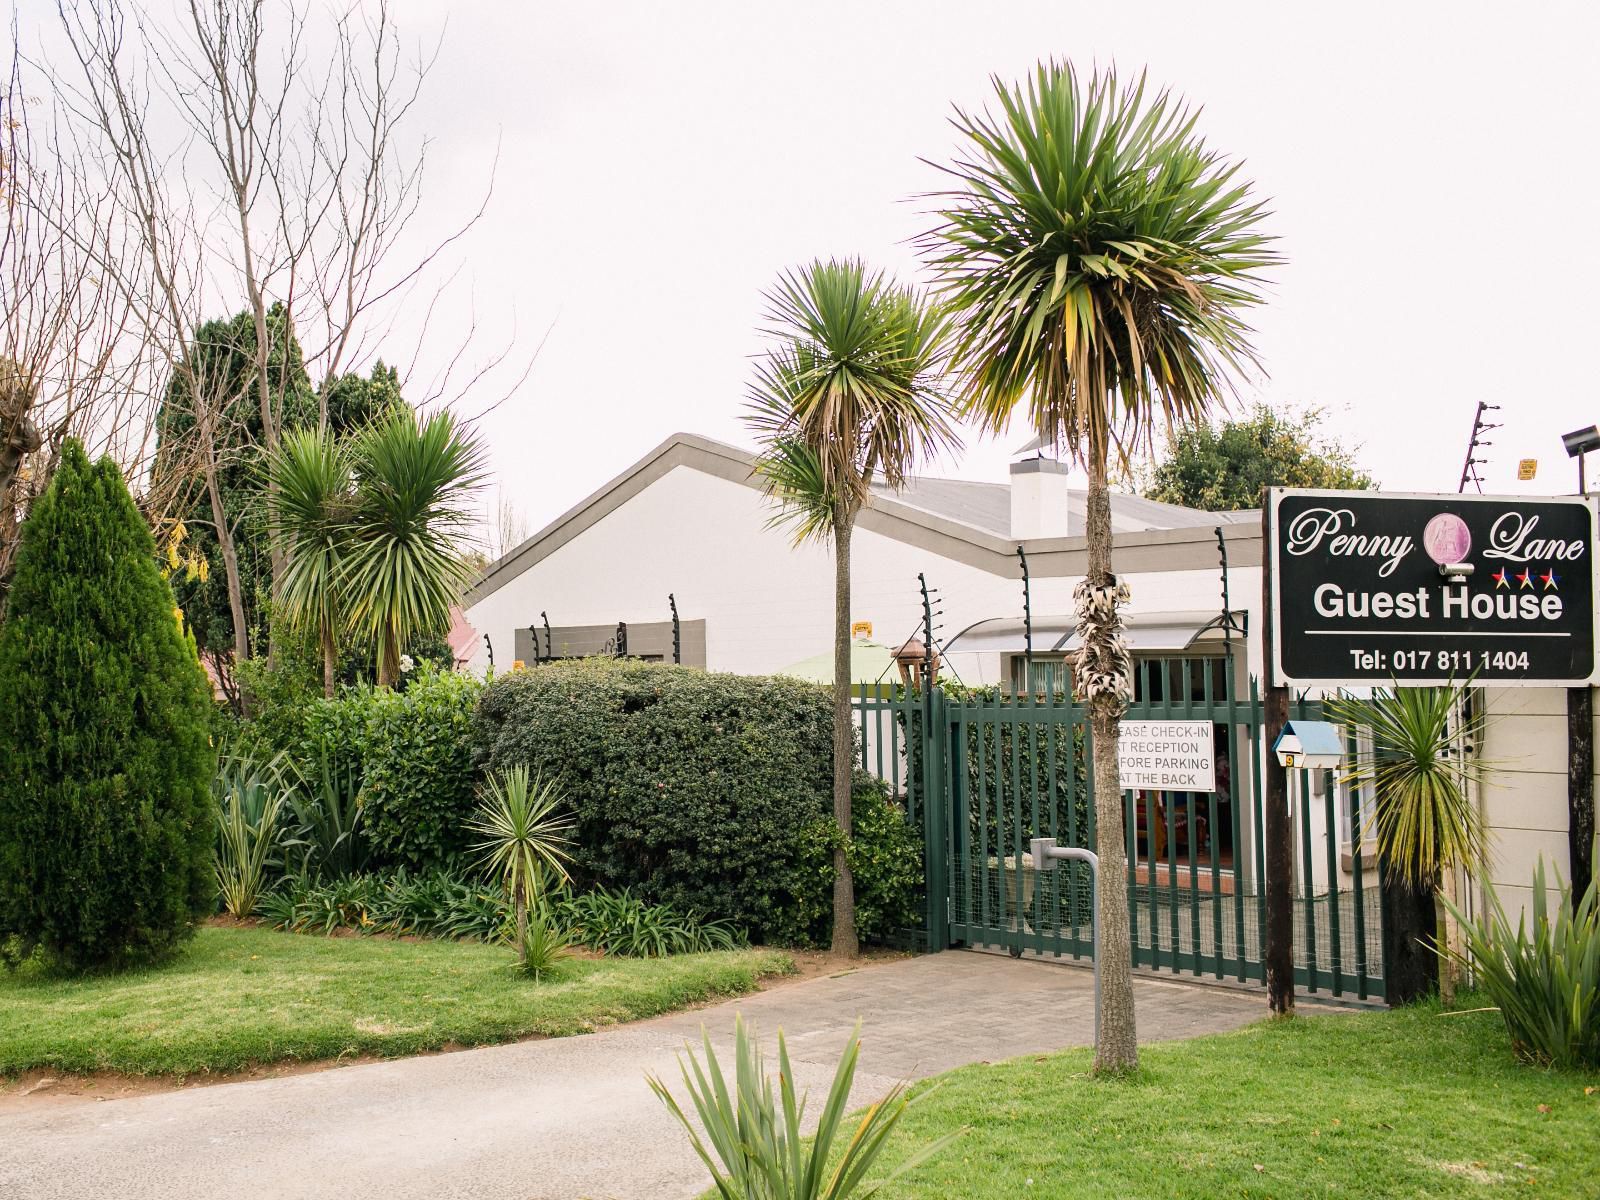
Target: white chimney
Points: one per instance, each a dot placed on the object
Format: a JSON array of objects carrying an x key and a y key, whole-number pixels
[{"x": 1039, "y": 499}]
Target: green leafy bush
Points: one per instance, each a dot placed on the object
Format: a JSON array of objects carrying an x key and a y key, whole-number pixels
[
  {"x": 438, "y": 904},
  {"x": 106, "y": 822},
  {"x": 418, "y": 779},
  {"x": 690, "y": 788},
  {"x": 885, "y": 861},
  {"x": 619, "y": 923},
  {"x": 1545, "y": 980}
]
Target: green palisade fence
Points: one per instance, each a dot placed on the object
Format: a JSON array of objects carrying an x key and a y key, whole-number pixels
[{"x": 983, "y": 773}]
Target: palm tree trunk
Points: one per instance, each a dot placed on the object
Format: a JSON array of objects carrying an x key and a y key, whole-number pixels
[
  {"x": 844, "y": 742},
  {"x": 389, "y": 661},
  {"x": 330, "y": 660},
  {"x": 522, "y": 925},
  {"x": 1446, "y": 937},
  {"x": 1118, "y": 1048}
]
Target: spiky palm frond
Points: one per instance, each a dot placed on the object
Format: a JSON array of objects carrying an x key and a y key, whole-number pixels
[
  {"x": 854, "y": 379},
  {"x": 311, "y": 475},
  {"x": 791, "y": 475},
  {"x": 1098, "y": 257},
  {"x": 524, "y": 834},
  {"x": 414, "y": 483},
  {"x": 1424, "y": 821}
]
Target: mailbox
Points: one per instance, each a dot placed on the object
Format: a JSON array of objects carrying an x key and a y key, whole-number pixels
[{"x": 1310, "y": 745}]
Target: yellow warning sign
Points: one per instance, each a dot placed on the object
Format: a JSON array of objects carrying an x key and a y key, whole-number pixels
[
  {"x": 861, "y": 629},
  {"x": 1527, "y": 468}
]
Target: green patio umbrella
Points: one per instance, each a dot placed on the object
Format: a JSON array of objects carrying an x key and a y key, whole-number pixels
[{"x": 869, "y": 663}]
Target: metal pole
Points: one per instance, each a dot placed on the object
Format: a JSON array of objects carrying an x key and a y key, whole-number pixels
[
  {"x": 549, "y": 652},
  {"x": 1027, "y": 620},
  {"x": 489, "y": 646},
  {"x": 677, "y": 641},
  {"x": 1045, "y": 852},
  {"x": 1278, "y": 953}
]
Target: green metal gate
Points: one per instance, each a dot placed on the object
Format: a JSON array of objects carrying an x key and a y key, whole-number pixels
[{"x": 984, "y": 773}]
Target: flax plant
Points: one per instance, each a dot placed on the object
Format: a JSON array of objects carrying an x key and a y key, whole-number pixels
[
  {"x": 754, "y": 1145},
  {"x": 1420, "y": 770},
  {"x": 248, "y": 799}
]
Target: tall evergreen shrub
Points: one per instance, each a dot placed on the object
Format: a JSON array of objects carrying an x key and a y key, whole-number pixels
[{"x": 105, "y": 756}]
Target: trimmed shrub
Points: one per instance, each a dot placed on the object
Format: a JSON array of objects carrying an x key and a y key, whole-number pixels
[
  {"x": 885, "y": 862},
  {"x": 689, "y": 788},
  {"x": 418, "y": 779},
  {"x": 106, "y": 822}
]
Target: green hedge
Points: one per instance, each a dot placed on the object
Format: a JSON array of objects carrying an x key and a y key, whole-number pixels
[
  {"x": 706, "y": 791},
  {"x": 411, "y": 750},
  {"x": 885, "y": 862}
]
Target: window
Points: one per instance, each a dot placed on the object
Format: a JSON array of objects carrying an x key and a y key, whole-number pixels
[{"x": 1052, "y": 675}]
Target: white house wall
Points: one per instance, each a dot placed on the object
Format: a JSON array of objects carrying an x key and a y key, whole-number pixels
[
  {"x": 1525, "y": 796},
  {"x": 767, "y": 603}
]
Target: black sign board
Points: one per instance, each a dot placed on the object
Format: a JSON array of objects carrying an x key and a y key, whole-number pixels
[{"x": 1374, "y": 588}]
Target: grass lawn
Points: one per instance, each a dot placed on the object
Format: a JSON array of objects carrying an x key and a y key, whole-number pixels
[
  {"x": 244, "y": 996},
  {"x": 1396, "y": 1104}
]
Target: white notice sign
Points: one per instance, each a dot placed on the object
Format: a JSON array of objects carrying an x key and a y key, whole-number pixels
[{"x": 1169, "y": 756}]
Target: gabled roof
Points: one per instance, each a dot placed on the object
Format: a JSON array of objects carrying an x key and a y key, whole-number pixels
[
  {"x": 987, "y": 506},
  {"x": 964, "y": 520}
]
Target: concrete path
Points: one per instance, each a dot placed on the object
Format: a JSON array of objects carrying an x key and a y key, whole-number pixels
[{"x": 565, "y": 1118}]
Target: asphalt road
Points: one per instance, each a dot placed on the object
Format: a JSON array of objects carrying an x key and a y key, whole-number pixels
[{"x": 565, "y": 1118}]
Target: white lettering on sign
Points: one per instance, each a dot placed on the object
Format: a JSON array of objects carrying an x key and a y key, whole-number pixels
[
  {"x": 1168, "y": 756},
  {"x": 1511, "y": 536},
  {"x": 1328, "y": 530}
]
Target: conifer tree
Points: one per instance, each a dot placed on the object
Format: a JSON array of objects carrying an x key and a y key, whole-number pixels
[{"x": 105, "y": 755}]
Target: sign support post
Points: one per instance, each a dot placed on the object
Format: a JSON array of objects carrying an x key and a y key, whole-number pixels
[
  {"x": 1278, "y": 954},
  {"x": 1580, "y": 788}
]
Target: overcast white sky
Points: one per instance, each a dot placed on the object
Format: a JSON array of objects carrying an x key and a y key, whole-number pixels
[{"x": 1431, "y": 169}]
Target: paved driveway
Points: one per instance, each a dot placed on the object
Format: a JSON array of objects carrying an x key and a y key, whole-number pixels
[{"x": 564, "y": 1118}]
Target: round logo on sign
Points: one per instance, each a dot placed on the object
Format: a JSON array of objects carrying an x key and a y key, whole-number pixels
[{"x": 1447, "y": 539}]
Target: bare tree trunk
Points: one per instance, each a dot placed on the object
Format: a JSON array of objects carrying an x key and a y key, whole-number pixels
[
  {"x": 1118, "y": 1048},
  {"x": 230, "y": 558},
  {"x": 845, "y": 941}
]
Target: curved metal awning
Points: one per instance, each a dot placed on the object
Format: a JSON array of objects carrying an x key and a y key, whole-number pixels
[{"x": 1146, "y": 632}]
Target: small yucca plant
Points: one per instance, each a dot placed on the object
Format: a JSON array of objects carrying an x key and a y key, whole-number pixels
[
  {"x": 525, "y": 837},
  {"x": 1545, "y": 980},
  {"x": 754, "y": 1146}
]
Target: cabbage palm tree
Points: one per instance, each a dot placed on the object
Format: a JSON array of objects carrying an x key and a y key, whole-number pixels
[
  {"x": 1097, "y": 258},
  {"x": 526, "y": 841},
  {"x": 1424, "y": 823},
  {"x": 415, "y": 479},
  {"x": 310, "y": 528},
  {"x": 849, "y": 394}
]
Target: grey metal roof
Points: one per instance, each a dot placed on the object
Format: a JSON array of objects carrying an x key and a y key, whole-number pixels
[{"x": 987, "y": 506}]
